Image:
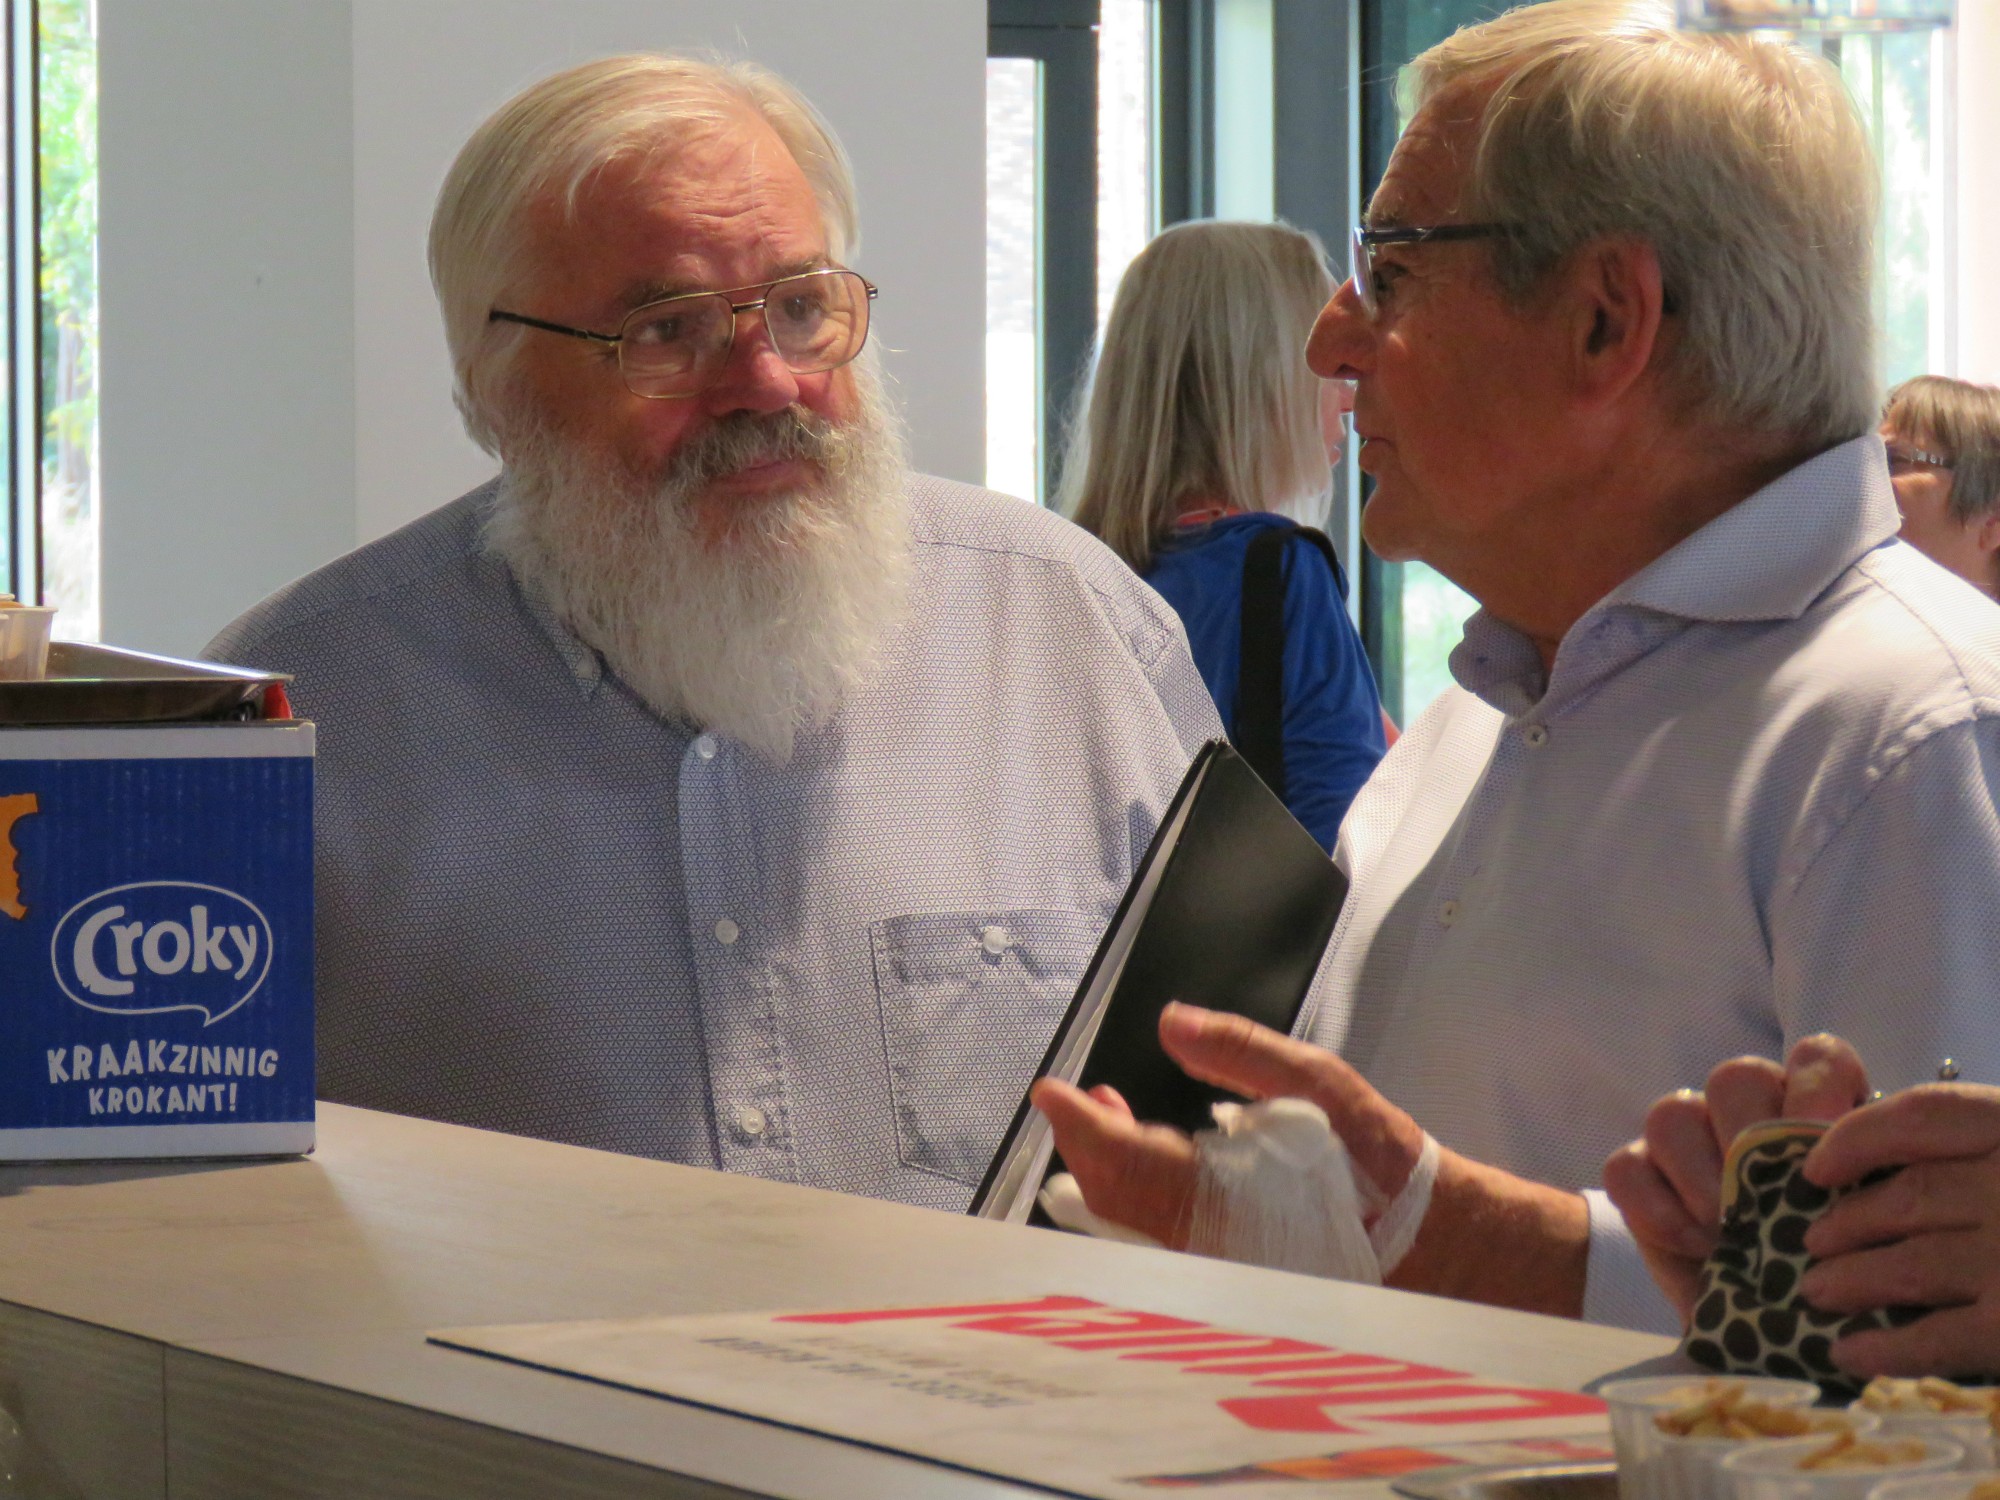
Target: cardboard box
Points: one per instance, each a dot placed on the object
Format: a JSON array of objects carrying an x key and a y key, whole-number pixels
[{"x": 156, "y": 941}]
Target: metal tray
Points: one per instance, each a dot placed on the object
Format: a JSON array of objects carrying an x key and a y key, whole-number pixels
[
  {"x": 1542, "y": 1482},
  {"x": 89, "y": 684}
]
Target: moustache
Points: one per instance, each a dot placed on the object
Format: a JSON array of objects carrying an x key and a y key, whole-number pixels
[{"x": 742, "y": 439}]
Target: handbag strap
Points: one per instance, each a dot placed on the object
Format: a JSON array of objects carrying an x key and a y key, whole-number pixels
[{"x": 1260, "y": 677}]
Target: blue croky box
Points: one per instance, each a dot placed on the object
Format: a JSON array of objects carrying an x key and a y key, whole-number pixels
[{"x": 156, "y": 941}]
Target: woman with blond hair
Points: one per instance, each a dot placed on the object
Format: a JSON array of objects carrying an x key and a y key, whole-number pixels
[
  {"x": 1943, "y": 438},
  {"x": 1202, "y": 442}
]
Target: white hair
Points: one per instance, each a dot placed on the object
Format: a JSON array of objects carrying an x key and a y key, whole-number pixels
[
  {"x": 1742, "y": 162},
  {"x": 1202, "y": 387},
  {"x": 755, "y": 618},
  {"x": 549, "y": 141}
]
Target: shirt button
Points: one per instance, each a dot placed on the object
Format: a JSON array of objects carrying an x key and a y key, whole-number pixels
[
  {"x": 1447, "y": 913},
  {"x": 704, "y": 746},
  {"x": 994, "y": 940},
  {"x": 1535, "y": 736},
  {"x": 750, "y": 1120},
  {"x": 727, "y": 932}
]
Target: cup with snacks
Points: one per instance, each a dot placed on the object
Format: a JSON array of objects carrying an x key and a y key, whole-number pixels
[
  {"x": 24, "y": 640},
  {"x": 1931, "y": 1407},
  {"x": 1847, "y": 1466},
  {"x": 1692, "y": 1460},
  {"x": 1650, "y": 1414}
]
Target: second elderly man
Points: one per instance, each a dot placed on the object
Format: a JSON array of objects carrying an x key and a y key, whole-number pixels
[{"x": 1720, "y": 768}]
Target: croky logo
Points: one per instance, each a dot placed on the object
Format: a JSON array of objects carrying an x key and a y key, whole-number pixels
[
  {"x": 13, "y": 808},
  {"x": 162, "y": 945}
]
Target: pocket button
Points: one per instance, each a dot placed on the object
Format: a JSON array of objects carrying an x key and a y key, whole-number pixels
[{"x": 995, "y": 940}]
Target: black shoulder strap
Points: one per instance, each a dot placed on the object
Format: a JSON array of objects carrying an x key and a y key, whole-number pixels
[{"x": 1260, "y": 677}]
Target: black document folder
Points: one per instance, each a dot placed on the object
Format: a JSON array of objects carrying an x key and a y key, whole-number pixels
[{"x": 1231, "y": 909}]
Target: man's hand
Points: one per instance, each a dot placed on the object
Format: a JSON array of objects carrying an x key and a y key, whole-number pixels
[
  {"x": 1488, "y": 1237},
  {"x": 1928, "y": 1236},
  {"x": 1143, "y": 1176},
  {"x": 1669, "y": 1183}
]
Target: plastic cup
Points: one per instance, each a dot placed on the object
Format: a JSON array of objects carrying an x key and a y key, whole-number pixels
[
  {"x": 1770, "y": 1471},
  {"x": 24, "y": 642},
  {"x": 1642, "y": 1448},
  {"x": 1953, "y": 1486},
  {"x": 1971, "y": 1430},
  {"x": 1693, "y": 1465}
]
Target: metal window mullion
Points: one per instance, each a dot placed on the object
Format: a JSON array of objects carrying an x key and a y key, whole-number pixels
[
  {"x": 24, "y": 322},
  {"x": 1066, "y": 218}
]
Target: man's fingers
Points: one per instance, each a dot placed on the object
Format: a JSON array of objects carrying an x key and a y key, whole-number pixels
[
  {"x": 1112, "y": 1100},
  {"x": 1933, "y": 1122},
  {"x": 1680, "y": 1145},
  {"x": 1742, "y": 1092},
  {"x": 1959, "y": 1340},
  {"x": 1237, "y": 1054},
  {"x": 1824, "y": 1079},
  {"x": 1138, "y": 1175},
  {"x": 1653, "y": 1207},
  {"x": 1929, "y": 1270},
  {"x": 1920, "y": 1199}
]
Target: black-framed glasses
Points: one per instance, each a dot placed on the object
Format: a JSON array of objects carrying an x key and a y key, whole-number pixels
[
  {"x": 679, "y": 346},
  {"x": 1365, "y": 240},
  {"x": 1903, "y": 458}
]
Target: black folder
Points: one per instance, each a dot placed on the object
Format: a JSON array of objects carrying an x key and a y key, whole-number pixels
[{"x": 1231, "y": 909}]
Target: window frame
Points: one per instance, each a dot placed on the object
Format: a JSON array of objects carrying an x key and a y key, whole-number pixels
[
  {"x": 23, "y": 572},
  {"x": 1060, "y": 35}
]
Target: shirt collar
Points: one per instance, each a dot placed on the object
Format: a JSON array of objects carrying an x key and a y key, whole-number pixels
[
  {"x": 1769, "y": 557},
  {"x": 584, "y": 664},
  {"x": 1766, "y": 558}
]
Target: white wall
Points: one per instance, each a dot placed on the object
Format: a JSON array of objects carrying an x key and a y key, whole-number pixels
[
  {"x": 1978, "y": 98},
  {"x": 275, "y": 387}
]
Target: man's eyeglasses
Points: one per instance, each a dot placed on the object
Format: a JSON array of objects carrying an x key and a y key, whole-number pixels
[
  {"x": 679, "y": 346},
  {"x": 1365, "y": 240},
  {"x": 1902, "y": 459}
]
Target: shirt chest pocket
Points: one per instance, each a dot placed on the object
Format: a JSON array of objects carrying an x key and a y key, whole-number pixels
[{"x": 969, "y": 1002}]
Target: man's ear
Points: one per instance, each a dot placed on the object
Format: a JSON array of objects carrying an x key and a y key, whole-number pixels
[
  {"x": 1614, "y": 309},
  {"x": 1987, "y": 531}
]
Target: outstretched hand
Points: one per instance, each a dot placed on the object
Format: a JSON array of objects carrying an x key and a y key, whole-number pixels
[
  {"x": 1488, "y": 1236},
  {"x": 1143, "y": 1175},
  {"x": 1668, "y": 1184}
]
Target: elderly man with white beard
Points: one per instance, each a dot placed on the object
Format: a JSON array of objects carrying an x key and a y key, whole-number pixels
[{"x": 707, "y": 786}]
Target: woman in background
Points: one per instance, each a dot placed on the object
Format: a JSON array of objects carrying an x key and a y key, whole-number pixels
[
  {"x": 1203, "y": 430},
  {"x": 1944, "y": 460}
]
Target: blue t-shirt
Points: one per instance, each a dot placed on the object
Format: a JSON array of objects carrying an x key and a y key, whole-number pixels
[{"x": 1332, "y": 732}]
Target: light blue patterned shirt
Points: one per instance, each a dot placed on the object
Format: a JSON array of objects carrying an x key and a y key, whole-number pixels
[
  {"x": 1754, "y": 799},
  {"x": 542, "y": 909}
]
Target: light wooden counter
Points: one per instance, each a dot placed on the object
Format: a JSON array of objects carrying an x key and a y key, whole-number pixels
[{"x": 218, "y": 1331}]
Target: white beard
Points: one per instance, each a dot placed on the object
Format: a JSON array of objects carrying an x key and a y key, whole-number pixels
[{"x": 759, "y": 623}]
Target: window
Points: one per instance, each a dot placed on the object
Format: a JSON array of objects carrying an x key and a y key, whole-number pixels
[
  {"x": 1041, "y": 236},
  {"x": 50, "y": 549}
]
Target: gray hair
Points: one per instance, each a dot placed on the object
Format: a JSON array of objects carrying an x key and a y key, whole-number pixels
[
  {"x": 1960, "y": 421},
  {"x": 1201, "y": 386},
  {"x": 551, "y": 140},
  {"x": 1742, "y": 162}
]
